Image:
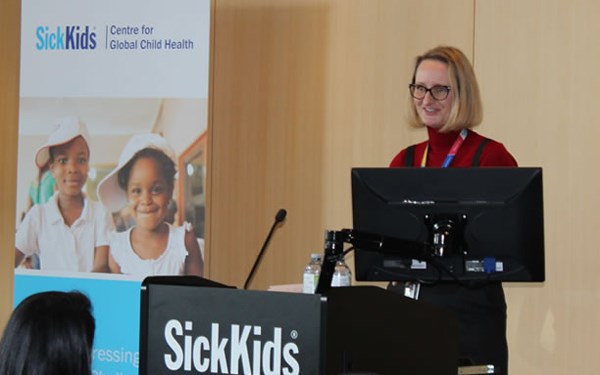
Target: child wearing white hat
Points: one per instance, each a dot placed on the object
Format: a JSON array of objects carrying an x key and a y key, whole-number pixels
[
  {"x": 144, "y": 180},
  {"x": 69, "y": 232}
]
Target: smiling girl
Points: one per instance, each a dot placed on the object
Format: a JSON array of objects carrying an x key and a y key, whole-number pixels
[
  {"x": 144, "y": 181},
  {"x": 69, "y": 232}
]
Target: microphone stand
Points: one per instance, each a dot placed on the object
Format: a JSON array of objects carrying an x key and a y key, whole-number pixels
[{"x": 278, "y": 219}]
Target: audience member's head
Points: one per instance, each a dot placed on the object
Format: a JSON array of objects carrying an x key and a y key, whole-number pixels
[{"x": 49, "y": 333}]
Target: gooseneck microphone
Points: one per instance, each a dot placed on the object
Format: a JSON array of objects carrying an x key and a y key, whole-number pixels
[{"x": 278, "y": 219}]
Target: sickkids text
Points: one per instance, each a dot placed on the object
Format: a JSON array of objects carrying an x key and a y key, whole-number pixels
[
  {"x": 85, "y": 37},
  {"x": 65, "y": 38}
]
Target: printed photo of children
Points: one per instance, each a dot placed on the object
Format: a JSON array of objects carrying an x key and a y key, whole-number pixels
[{"x": 117, "y": 205}]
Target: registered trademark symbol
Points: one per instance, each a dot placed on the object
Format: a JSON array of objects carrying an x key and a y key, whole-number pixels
[{"x": 294, "y": 334}]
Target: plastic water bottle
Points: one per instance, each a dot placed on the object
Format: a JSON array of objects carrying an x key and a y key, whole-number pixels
[
  {"x": 311, "y": 274},
  {"x": 342, "y": 276}
]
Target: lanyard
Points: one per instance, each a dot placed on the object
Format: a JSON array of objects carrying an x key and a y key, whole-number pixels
[
  {"x": 453, "y": 150},
  {"x": 412, "y": 289}
]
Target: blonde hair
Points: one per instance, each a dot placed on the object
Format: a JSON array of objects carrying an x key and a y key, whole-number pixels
[{"x": 467, "y": 109}]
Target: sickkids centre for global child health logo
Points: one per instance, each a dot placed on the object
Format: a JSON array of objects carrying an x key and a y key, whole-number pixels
[{"x": 116, "y": 37}]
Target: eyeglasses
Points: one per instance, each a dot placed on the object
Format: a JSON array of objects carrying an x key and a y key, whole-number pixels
[{"x": 438, "y": 92}]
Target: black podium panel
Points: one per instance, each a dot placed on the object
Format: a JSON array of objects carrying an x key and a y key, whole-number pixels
[
  {"x": 212, "y": 330},
  {"x": 194, "y": 326},
  {"x": 372, "y": 330}
]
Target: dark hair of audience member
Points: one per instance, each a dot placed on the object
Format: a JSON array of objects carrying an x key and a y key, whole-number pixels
[{"x": 49, "y": 333}]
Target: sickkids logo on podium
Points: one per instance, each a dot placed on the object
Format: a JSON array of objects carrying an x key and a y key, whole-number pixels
[
  {"x": 244, "y": 349},
  {"x": 71, "y": 37}
]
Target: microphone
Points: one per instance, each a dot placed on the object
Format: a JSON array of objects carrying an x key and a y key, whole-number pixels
[{"x": 279, "y": 217}]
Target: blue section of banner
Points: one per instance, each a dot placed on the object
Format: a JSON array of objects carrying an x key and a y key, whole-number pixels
[{"x": 116, "y": 306}]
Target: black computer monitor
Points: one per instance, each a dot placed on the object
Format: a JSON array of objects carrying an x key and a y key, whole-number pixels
[{"x": 476, "y": 224}]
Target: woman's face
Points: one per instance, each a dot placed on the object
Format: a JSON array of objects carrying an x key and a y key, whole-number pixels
[{"x": 432, "y": 112}]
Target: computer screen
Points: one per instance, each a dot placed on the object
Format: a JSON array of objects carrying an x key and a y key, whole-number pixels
[{"x": 475, "y": 224}]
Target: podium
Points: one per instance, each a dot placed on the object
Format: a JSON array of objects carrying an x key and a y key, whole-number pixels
[{"x": 191, "y": 325}]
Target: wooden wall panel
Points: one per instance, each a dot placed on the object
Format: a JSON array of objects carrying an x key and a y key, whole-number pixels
[
  {"x": 266, "y": 136},
  {"x": 537, "y": 61},
  {"x": 10, "y": 11}
]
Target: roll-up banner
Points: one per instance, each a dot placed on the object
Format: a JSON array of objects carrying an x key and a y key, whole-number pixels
[{"x": 111, "y": 164}]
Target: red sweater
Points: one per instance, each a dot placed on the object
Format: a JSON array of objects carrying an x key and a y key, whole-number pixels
[{"x": 494, "y": 154}]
